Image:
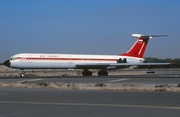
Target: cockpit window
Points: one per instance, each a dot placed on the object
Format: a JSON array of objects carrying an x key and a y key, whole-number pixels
[{"x": 12, "y": 58}]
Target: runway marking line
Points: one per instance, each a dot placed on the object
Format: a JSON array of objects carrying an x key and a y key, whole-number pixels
[
  {"x": 30, "y": 80},
  {"x": 171, "y": 75},
  {"x": 118, "y": 80},
  {"x": 86, "y": 104}
]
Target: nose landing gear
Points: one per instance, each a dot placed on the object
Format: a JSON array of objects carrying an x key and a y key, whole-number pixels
[{"x": 21, "y": 73}]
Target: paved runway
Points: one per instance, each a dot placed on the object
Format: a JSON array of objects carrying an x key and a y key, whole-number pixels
[
  {"x": 19, "y": 102},
  {"x": 154, "y": 79},
  {"x": 22, "y": 102}
]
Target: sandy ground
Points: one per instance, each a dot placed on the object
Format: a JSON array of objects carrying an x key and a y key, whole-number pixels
[{"x": 98, "y": 86}]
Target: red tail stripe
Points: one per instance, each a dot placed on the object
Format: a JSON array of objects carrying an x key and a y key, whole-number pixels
[{"x": 138, "y": 49}]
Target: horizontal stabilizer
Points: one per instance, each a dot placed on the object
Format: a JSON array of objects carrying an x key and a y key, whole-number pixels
[{"x": 147, "y": 36}]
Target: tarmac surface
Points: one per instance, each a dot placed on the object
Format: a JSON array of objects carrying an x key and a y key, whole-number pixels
[
  {"x": 21, "y": 102},
  {"x": 45, "y": 102},
  {"x": 152, "y": 79}
]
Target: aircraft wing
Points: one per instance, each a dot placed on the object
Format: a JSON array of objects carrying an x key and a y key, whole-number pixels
[
  {"x": 93, "y": 66},
  {"x": 116, "y": 65}
]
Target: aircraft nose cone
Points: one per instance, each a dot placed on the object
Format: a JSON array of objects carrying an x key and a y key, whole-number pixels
[{"x": 7, "y": 63}]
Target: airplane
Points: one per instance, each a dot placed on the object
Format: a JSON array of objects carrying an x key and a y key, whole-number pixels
[{"x": 133, "y": 57}]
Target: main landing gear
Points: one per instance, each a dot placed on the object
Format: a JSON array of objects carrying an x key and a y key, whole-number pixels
[
  {"x": 89, "y": 73},
  {"x": 102, "y": 73}
]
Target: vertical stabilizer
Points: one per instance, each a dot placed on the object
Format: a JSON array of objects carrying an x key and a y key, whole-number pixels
[{"x": 139, "y": 47}]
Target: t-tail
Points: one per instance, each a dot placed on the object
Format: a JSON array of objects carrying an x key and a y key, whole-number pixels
[{"x": 139, "y": 47}]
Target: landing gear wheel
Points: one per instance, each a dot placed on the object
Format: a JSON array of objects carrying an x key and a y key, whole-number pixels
[
  {"x": 21, "y": 75},
  {"x": 102, "y": 73},
  {"x": 87, "y": 73}
]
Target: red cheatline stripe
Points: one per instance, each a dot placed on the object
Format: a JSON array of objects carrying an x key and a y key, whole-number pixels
[{"x": 94, "y": 59}]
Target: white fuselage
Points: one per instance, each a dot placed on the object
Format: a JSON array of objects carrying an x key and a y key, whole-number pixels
[{"x": 64, "y": 61}]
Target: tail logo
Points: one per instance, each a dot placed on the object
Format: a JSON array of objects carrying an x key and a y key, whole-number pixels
[{"x": 140, "y": 41}]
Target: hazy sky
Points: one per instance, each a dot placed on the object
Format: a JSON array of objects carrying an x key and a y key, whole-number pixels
[{"x": 88, "y": 26}]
